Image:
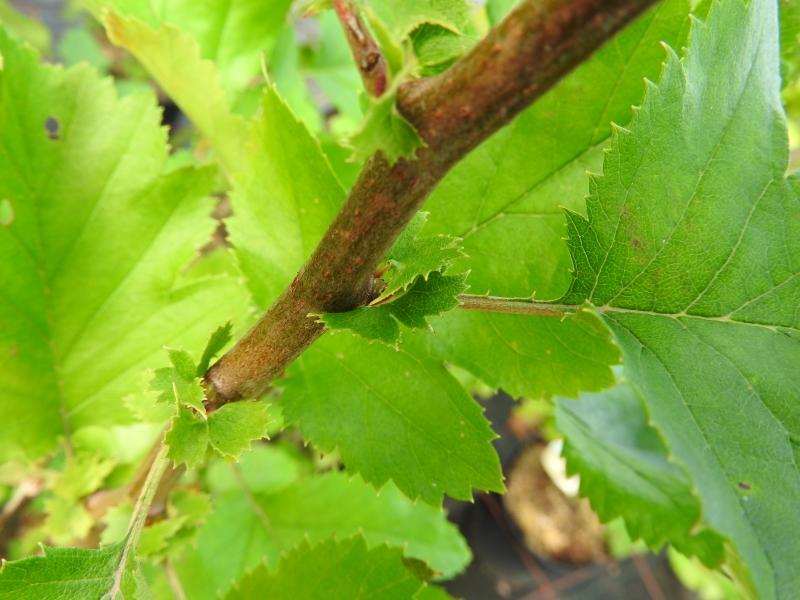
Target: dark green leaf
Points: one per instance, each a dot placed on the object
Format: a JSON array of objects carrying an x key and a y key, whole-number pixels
[
  {"x": 691, "y": 251},
  {"x": 426, "y": 297}
]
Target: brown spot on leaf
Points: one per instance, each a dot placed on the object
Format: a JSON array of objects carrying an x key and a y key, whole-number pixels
[{"x": 52, "y": 126}]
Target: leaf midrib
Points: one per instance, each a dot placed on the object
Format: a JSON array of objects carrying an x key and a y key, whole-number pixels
[
  {"x": 606, "y": 309},
  {"x": 731, "y": 118}
]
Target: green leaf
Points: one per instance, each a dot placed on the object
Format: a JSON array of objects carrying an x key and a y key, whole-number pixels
[
  {"x": 529, "y": 356},
  {"x": 186, "y": 512},
  {"x": 386, "y": 131},
  {"x": 436, "y": 48},
  {"x": 692, "y": 252},
  {"x": 178, "y": 384},
  {"x": 371, "y": 323},
  {"x": 174, "y": 60},
  {"x": 234, "y": 426},
  {"x": 254, "y": 526},
  {"x": 156, "y": 537},
  {"x": 697, "y": 577},
  {"x": 115, "y": 523},
  {"x": 183, "y": 363},
  {"x": 625, "y": 471},
  {"x": 414, "y": 255},
  {"x": 66, "y": 517},
  {"x": 174, "y": 389},
  {"x": 268, "y": 468},
  {"x": 337, "y": 503},
  {"x": 84, "y": 474},
  {"x": 187, "y": 438},
  {"x": 505, "y": 201},
  {"x": 344, "y": 569},
  {"x": 345, "y": 393},
  {"x": 67, "y": 573},
  {"x": 229, "y": 430},
  {"x": 218, "y": 340},
  {"x": 233, "y": 35},
  {"x": 181, "y": 383},
  {"x": 92, "y": 270},
  {"x": 426, "y": 297},
  {"x": 125, "y": 444},
  {"x": 80, "y": 44},
  {"x": 273, "y": 239},
  {"x": 401, "y": 18},
  {"x": 497, "y": 9},
  {"x": 328, "y": 61},
  {"x": 66, "y": 521}
]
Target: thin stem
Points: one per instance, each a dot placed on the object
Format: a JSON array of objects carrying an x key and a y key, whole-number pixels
[
  {"x": 99, "y": 502},
  {"x": 139, "y": 517},
  {"x": 369, "y": 60},
  {"x": 518, "y": 61},
  {"x": 517, "y": 306}
]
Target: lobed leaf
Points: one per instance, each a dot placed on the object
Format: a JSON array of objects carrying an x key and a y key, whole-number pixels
[
  {"x": 233, "y": 35},
  {"x": 73, "y": 349},
  {"x": 229, "y": 430},
  {"x": 187, "y": 438},
  {"x": 414, "y": 255},
  {"x": 174, "y": 60},
  {"x": 426, "y": 297},
  {"x": 265, "y": 518},
  {"x": 345, "y": 393},
  {"x": 402, "y": 18},
  {"x": 68, "y": 573},
  {"x": 625, "y": 471},
  {"x": 385, "y": 130},
  {"x": 234, "y": 426},
  {"x": 691, "y": 251},
  {"x": 344, "y": 569},
  {"x": 273, "y": 237}
]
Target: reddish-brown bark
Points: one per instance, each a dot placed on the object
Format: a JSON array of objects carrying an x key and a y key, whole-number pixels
[{"x": 517, "y": 62}]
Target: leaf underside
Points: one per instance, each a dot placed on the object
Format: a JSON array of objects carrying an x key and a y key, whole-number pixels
[
  {"x": 691, "y": 250},
  {"x": 71, "y": 349},
  {"x": 625, "y": 471}
]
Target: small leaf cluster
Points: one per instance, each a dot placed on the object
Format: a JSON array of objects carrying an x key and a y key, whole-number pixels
[{"x": 228, "y": 430}]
